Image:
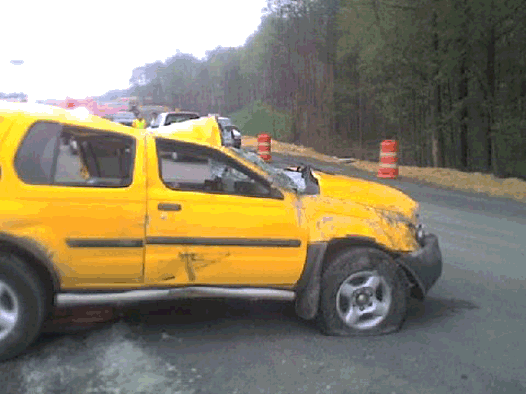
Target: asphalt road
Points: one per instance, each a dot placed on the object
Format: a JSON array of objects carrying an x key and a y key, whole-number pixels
[{"x": 466, "y": 337}]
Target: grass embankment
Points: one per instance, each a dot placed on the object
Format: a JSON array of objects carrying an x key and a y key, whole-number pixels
[
  {"x": 262, "y": 118},
  {"x": 482, "y": 183}
]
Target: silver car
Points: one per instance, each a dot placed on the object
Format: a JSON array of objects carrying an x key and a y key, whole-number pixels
[{"x": 230, "y": 131}]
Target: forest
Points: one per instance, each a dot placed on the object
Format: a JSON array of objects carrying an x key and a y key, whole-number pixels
[{"x": 446, "y": 78}]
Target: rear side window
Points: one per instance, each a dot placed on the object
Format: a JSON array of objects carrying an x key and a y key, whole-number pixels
[
  {"x": 55, "y": 154},
  {"x": 34, "y": 160}
]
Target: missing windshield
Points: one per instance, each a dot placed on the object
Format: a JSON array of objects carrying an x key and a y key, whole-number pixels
[{"x": 301, "y": 181}]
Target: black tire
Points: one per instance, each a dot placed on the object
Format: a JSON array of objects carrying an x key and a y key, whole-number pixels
[
  {"x": 391, "y": 294},
  {"x": 31, "y": 301}
]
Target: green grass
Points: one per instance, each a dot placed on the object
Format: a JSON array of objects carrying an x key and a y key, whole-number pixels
[{"x": 258, "y": 117}]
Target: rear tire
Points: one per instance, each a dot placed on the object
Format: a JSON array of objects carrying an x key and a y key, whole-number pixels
[
  {"x": 23, "y": 306},
  {"x": 364, "y": 293}
]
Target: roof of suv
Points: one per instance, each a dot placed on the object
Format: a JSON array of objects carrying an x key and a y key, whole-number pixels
[
  {"x": 203, "y": 131},
  {"x": 78, "y": 116}
]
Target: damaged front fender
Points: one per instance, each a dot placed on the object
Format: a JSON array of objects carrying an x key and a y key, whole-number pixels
[
  {"x": 393, "y": 236},
  {"x": 423, "y": 268},
  {"x": 308, "y": 287},
  {"x": 331, "y": 218}
]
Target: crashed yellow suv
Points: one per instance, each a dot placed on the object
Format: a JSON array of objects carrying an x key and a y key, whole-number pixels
[{"x": 135, "y": 210}]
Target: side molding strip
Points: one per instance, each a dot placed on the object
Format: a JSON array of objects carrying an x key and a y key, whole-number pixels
[
  {"x": 104, "y": 243},
  {"x": 138, "y": 243},
  {"x": 273, "y": 243}
]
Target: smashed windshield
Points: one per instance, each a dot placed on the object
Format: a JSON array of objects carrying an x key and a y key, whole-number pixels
[{"x": 292, "y": 181}]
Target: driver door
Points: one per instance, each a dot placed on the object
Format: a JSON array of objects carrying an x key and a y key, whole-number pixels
[{"x": 211, "y": 221}]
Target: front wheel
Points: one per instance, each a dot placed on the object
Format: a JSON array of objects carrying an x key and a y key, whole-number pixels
[
  {"x": 364, "y": 293},
  {"x": 22, "y": 306}
]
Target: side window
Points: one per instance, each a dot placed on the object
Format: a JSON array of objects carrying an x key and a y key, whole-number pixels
[
  {"x": 172, "y": 119},
  {"x": 97, "y": 159},
  {"x": 55, "y": 154},
  {"x": 196, "y": 169},
  {"x": 34, "y": 159}
]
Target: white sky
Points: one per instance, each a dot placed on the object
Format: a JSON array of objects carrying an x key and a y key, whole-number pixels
[{"x": 78, "y": 49}]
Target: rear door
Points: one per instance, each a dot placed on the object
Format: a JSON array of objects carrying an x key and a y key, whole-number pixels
[{"x": 87, "y": 208}]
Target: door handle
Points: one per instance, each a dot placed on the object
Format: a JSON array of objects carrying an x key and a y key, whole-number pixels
[{"x": 164, "y": 206}]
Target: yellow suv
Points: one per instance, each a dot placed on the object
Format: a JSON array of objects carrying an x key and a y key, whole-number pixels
[{"x": 138, "y": 210}]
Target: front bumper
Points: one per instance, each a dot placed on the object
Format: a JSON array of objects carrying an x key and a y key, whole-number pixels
[{"x": 425, "y": 264}]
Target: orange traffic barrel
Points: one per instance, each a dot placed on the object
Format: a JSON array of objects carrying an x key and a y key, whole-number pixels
[
  {"x": 388, "y": 159},
  {"x": 264, "y": 147}
]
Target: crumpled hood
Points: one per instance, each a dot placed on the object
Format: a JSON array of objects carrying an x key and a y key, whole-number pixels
[{"x": 371, "y": 194}]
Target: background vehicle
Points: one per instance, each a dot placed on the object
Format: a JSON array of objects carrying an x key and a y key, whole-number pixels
[
  {"x": 147, "y": 107},
  {"x": 236, "y": 135},
  {"x": 167, "y": 118},
  {"x": 125, "y": 118},
  {"x": 224, "y": 121},
  {"x": 231, "y": 130}
]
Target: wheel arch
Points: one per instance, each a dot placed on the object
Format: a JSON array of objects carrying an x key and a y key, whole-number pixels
[
  {"x": 38, "y": 259},
  {"x": 319, "y": 256},
  {"x": 339, "y": 244}
]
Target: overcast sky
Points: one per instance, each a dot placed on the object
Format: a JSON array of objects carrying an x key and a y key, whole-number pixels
[{"x": 79, "y": 49}]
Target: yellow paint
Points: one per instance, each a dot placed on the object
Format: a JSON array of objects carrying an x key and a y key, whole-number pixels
[
  {"x": 222, "y": 216},
  {"x": 367, "y": 193},
  {"x": 203, "y": 130},
  {"x": 355, "y": 207},
  {"x": 48, "y": 215}
]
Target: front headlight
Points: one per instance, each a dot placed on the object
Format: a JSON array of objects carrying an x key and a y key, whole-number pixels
[{"x": 420, "y": 232}]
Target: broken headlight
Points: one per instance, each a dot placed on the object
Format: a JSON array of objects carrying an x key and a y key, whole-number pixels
[{"x": 420, "y": 232}]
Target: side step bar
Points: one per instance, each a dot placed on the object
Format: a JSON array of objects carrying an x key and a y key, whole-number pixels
[{"x": 130, "y": 297}]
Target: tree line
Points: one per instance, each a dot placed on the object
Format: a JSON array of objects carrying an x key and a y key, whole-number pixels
[{"x": 446, "y": 78}]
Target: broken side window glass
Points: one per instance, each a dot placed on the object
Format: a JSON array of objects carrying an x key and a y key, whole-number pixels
[
  {"x": 94, "y": 159},
  {"x": 285, "y": 179},
  {"x": 182, "y": 169}
]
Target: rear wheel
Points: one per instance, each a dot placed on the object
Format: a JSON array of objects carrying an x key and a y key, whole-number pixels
[
  {"x": 364, "y": 293},
  {"x": 22, "y": 306}
]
